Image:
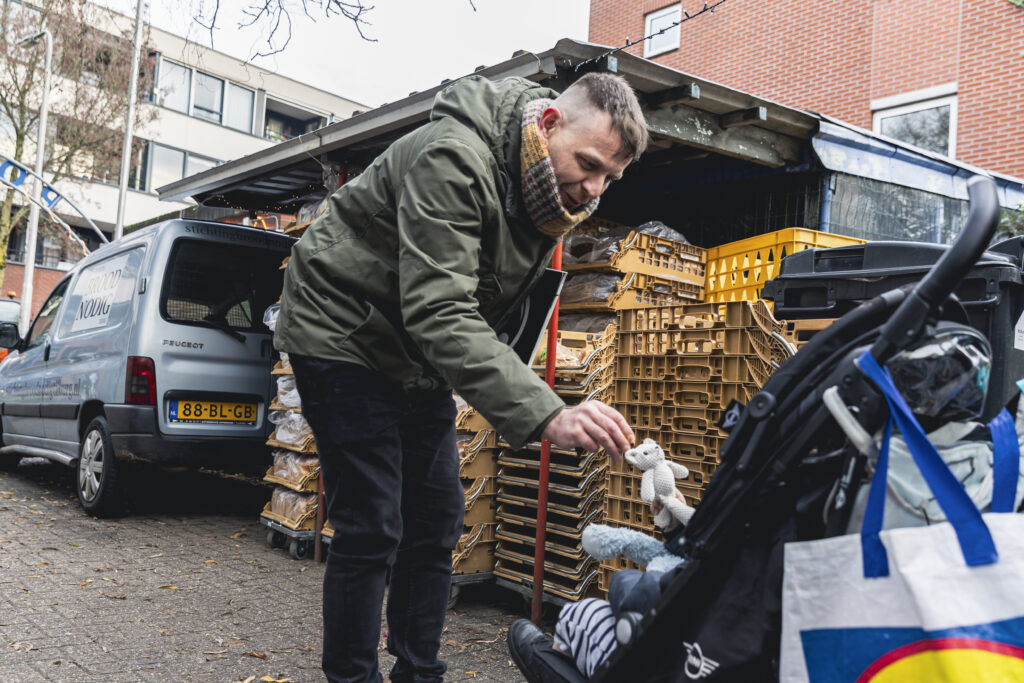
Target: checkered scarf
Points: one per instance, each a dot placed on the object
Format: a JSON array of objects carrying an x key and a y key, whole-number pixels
[{"x": 540, "y": 188}]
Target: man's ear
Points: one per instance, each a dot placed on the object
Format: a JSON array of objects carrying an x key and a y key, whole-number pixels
[{"x": 550, "y": 120}]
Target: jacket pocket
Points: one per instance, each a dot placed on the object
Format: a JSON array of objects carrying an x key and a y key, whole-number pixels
[{"x": 489, "y": 295}]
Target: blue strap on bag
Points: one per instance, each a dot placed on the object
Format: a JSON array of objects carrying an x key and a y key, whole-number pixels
[
  {"x": 974, "y": 537},
  {"x": 1005, "y": 462}
]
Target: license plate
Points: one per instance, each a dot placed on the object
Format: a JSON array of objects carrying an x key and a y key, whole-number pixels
[{"x": 217, "y": 412}]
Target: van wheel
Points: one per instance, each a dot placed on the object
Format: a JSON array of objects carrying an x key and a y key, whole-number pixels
[{"x": 97, "y": 476}]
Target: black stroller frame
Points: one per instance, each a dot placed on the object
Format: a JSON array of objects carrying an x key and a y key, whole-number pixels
[{"x": 787, "y": 473}]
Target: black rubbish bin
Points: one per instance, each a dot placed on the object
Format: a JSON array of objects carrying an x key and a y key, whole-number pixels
[{"x": 826, "y": 283}]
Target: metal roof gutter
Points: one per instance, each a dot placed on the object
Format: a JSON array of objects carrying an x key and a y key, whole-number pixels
[{"x": 847, "y": 149}]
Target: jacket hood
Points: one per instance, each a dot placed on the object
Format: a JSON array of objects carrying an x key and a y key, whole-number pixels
[{"x": 493, "y": 109}]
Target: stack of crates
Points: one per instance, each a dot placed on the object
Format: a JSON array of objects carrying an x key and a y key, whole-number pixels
[
  {"x": 738, "y": 270},
  {"x": 576, "y": 484},
  {"x": 678, "y": 369},
  {"x": 473, "y": 557},
  {"x": 638, "y": 270},
  {"x": 290, "y": 515}
]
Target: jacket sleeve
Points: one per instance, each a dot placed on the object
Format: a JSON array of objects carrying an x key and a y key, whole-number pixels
[{"x": 444, "y": 203}]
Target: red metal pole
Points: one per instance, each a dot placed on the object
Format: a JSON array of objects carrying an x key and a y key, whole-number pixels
[{"x": 550, "y": 362}]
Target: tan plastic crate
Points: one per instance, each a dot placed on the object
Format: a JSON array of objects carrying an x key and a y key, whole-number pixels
[
  {"x": 555, "y": 520},
  {"x": 573, "y": 505},
  {"x": 571, "y": 588},
  {"x": 642, "y": 252},
  {"x": 479, "y": 559},
  {"x": 308, "y": 444},
  {"x": 305, "y": 523},
  {"x": 669, "y": 366},
  {"x": 309, "y": 483},
  {"x": 478, "y": 457},
  {"x": 638, "y": 290}
]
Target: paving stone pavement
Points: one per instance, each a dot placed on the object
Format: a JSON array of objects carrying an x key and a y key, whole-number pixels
[{"x": 181, "y": 588}]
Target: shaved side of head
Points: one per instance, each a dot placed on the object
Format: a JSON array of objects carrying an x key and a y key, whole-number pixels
[{"x": 614, "y": 96}]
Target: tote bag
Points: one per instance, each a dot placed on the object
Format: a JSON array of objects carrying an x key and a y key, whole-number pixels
[{"x": 936, "y": 603}]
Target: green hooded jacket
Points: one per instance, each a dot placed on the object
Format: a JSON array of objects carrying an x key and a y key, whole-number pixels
[{"x": 417, "y": 260}]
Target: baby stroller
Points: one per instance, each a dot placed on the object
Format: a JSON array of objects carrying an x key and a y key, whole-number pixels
[{"x": 787, "y": 473}]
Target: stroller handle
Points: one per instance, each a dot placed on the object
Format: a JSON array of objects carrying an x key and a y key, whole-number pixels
[{"x": 905, "y": 325}]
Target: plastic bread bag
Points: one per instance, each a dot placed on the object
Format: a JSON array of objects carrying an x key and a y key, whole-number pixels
[
  {"x": 311, "y": 210},
  {"x": 585, "y": 322},
  {"x": 287, "y": 392},
  {"x": 292, "y": 504},
  {"x": 285, "y": 363},
  {"x": 294, "y": 466},
  {"x": 659, "y": 229},
  {"x": 600, "y": 244},
  {"x": 463, "y": 439},
  {"x": 577, "y": 248},
  {"x": 565, "y": 357},
  {"x": 590, "y": 288},
  {"x": 270, "y": 316},
  {"x": 460, "y": 404},
  {"x": 292, "y": 428}
]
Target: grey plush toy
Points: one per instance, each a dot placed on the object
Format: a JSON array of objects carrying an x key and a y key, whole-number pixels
[{"x": 603, "y": 542}]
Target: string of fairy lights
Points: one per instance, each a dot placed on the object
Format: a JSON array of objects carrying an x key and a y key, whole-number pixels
[{"x": 708, "y": 8}]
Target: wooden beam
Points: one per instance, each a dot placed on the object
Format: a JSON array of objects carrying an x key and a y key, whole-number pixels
[
  {"x": 680, "y": 93},
  {"x": 744, "y": 117},
  {"x": 689, "y": 126}
]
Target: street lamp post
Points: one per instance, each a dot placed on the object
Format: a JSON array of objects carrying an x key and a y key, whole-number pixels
[
  {"x": 33, "y": 215},
  {"x": 129, "y": 125}
]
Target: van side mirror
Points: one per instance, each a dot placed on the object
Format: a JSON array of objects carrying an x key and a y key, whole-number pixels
[{"x": 9, "y": 338}]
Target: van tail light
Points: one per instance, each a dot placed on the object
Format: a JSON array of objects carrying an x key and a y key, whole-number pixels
[{"x": 140, "y": 381}]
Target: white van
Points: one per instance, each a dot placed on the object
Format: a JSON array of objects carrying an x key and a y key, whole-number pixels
[{"x": 152, "y": 349}]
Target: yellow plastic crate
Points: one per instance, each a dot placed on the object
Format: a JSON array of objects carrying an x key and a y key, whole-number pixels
[{"x": 736, "y": 271}]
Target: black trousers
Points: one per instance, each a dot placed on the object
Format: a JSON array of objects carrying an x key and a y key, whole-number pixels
[{"x": 390, "y": 471}]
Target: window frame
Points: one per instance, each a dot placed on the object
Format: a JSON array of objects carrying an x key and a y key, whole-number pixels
[
  {"x": 950, "y": 100},
  {"x": 186, "y": 155},
  {"x": 158, "y": 95},
  {"x": 196, "y": 73},
  {"x": 650, "y": 17},
  {"x": 226, "y": 107},
  {"x": 59, "y": 291}
]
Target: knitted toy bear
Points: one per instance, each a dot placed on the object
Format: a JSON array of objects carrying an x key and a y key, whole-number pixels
[
  {"x": 658, "y": 481},
  {"x": 604, "y": 542}
]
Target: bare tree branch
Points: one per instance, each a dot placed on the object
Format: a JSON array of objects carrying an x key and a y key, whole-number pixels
[
  {"x": 87, "y": 103},
  {"x": 274, "y": 19},
  {"x": 213, "y": 19}
]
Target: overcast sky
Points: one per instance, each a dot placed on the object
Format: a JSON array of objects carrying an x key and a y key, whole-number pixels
[{"x": 418, "y": 42}]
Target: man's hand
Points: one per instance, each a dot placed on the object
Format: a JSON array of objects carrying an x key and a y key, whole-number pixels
[{"x": 590, "y": 425}]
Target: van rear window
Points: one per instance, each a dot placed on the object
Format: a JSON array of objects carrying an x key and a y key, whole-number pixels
[{"x": 217, "y": 284}]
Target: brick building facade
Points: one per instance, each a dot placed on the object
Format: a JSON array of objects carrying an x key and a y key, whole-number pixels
[
  {"x": 42, "y": 284},
  {"x": 903, "y": 68}
]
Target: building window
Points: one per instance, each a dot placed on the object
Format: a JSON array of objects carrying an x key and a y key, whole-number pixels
[
  {"x": 929, "y": 124},
  {"x": 175, "y": 82},
  {"x": 166, "y": 165},
  {"x": 208, "y": 97},
  {"x": 286, "y": 121},
  {"x": 662, "y": 20},
  {"x": 197, "y": 164},
  {"x": 238, "y": 112}
]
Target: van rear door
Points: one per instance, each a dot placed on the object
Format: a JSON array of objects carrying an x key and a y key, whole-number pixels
[{"x": 212, "y": 353}]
